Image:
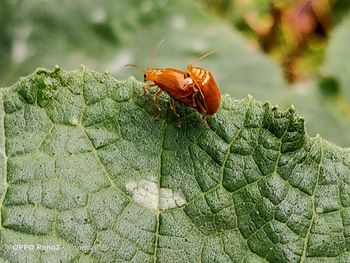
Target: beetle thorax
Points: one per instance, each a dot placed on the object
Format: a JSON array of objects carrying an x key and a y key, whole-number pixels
[
  {"x": 152, "y": 74},
  {"x": 199, "y": 74}
]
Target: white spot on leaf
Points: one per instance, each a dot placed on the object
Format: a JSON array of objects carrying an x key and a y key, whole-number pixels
[{"x": 148, "y": 194}]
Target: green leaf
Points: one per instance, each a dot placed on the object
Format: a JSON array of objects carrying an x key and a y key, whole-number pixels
[
  {"x": 88, "y": 175},
  {"x": 323, "y": 109},
  {"x": 326, "y": 104}
]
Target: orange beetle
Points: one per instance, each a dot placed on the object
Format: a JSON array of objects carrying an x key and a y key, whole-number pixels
[
  {"x": 210, "y": 97},
  {"x": 174, "y": 82},
  {"x": 171, "y": 80},
  {"x": 195, "y": 87}
]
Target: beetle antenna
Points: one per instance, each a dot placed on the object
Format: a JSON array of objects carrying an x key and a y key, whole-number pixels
[
  {"x": 204, "y": 56},
  {"x": 135, "y": 66},
  {"x": 151, "y": 58}
]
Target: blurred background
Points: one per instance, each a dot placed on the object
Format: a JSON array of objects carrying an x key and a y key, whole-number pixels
[{"x": 288, "y": 52}]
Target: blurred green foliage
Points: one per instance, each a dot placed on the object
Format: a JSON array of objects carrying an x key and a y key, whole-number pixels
[{"x": 106, "y": 35}]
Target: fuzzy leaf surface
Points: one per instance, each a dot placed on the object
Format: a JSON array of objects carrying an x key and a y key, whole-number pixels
[{"x": 88, "y": 175}]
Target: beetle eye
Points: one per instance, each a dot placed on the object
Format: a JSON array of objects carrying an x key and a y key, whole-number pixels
[{"x": 188, "y": 75}]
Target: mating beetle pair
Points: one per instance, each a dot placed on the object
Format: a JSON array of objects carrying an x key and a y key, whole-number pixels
[{"x": 195, "y": 87}]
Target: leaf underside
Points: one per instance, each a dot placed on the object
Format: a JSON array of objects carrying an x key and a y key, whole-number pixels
[{"x": 85, "y": 169}]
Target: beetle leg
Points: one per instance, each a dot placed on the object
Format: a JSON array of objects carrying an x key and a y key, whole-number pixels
[
  {"x": 194, "y": 104},
  {"x": 145, "y": 87},
  {"x": 154, "y": 98},
  {"x": 206, "y": 121},
  {"x": 173, "y": 109},
  {"x": 201, "y": 107}
]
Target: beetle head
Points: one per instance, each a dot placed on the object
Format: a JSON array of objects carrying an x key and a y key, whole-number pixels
[{"x": 150, "y": 74}]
